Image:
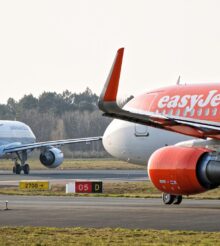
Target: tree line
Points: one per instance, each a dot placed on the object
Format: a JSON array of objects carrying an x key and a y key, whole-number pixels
[{"x": 54, "y": 116}]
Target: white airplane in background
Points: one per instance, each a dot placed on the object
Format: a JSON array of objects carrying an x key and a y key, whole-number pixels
[{"x": 17, "y": 141}]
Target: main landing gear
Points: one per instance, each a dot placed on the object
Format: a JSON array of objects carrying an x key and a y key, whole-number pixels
[
  {"x": 17, "y": 168},
  {"x": 171, "y": 199},
  {"x": 23, "y": 166}
]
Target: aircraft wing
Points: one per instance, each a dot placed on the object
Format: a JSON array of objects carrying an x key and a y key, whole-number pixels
[
  {"x": 184, "y": 125},
  {"x": 39, "y": 145}
]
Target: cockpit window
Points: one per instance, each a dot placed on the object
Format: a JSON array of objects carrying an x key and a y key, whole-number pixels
[{"x": 18, "y": 128}]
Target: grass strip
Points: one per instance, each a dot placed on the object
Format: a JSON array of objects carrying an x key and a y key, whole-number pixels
[
  {"x": 79, "y": 164},
  {"x": 106, "y": 236},
  {"x": 110, "y": 189}
]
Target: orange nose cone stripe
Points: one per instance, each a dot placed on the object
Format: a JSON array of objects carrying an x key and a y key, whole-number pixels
[{"x": 112, "y": 89}]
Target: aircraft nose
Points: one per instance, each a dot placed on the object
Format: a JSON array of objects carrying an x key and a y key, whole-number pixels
[
  {"x": 114, "y": 140},
  {"x": 120, "y": 141},
  {"x": 108, "y": 138}
]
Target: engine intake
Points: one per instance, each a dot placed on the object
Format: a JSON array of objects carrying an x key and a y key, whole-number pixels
[
  {"x": 183, "y": 170},
  {"x": 52, "y": 158},
  {"x": 208, "y": 170}
]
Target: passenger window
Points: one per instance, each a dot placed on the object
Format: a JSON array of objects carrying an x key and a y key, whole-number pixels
[
  {"x": 141, "y": 130},
  {"x": 214, "y": 111},
  {"x": 185, "y": 112},
  {"x": 178, "y": 112},
  {"x": 199, "y": 112},
  {"x": 207, "y": 112},
  {"x": 170, "y": 112},
  {"x": 192, "y": 112}
]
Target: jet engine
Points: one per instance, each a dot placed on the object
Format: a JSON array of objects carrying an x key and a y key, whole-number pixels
[
  {"x": 52, "y": 158},
  {"x": 183, "y": 170}
]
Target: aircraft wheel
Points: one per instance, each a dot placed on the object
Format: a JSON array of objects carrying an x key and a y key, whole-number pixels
[
  {"x": 26, "y": 169},
  {"x": 168, "y": 198},
  {"x": 18, "y": 169},
  {"x": 177, "y": 200}
]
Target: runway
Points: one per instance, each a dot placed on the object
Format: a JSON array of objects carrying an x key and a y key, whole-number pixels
[
  {"x": 64, "y": 176},
  {"x": 109, "y": 212},
  {"x": 99, "y": 211}
]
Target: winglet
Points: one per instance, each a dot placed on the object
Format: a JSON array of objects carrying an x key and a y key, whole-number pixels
[
  {"x": 110, "y": 90},
  {"x": 178, "y": 81}
]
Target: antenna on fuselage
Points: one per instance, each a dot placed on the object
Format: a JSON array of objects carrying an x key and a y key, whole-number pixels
[{"x": 178, "y": 81}]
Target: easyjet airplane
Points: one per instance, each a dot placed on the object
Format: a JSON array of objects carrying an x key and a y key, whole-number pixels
[
  {"x": 193, "y": 164},
  {"x": 17, "y": 141}
]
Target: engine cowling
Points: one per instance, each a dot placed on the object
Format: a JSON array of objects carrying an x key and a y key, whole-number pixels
[
  {"x": 52, "y": 158},
  {"x": 184, "y": 171}
]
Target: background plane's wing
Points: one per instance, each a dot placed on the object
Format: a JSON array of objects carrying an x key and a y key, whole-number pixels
[
  {"x": 48, "y": 144},
  {"x": 187, "y": 126}
]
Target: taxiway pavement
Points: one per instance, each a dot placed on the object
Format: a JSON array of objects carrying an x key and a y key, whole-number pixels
[
  {"x": 109, "y": 212},
  {"x": 63, "y": 176},
  {"x": 100, "y": 211}
]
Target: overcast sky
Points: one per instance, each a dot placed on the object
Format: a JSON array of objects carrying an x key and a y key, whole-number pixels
[{"x": 58, "y": 45}]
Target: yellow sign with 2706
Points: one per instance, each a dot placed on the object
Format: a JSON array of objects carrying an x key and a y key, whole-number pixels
[{"x": 34, "y": 185}]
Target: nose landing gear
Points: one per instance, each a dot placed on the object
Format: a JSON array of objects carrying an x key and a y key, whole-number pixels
[{"x": 171, "y": 199}]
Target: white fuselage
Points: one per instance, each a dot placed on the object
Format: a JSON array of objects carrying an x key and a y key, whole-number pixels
[
  {"x": 14, "y": 133},
  {"x": 135, "y": 143}
]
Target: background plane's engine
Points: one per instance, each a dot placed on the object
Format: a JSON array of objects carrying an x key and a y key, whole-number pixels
[
  {"x": 184, "y": 171},
  {"x": 52, "y": 158}
]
